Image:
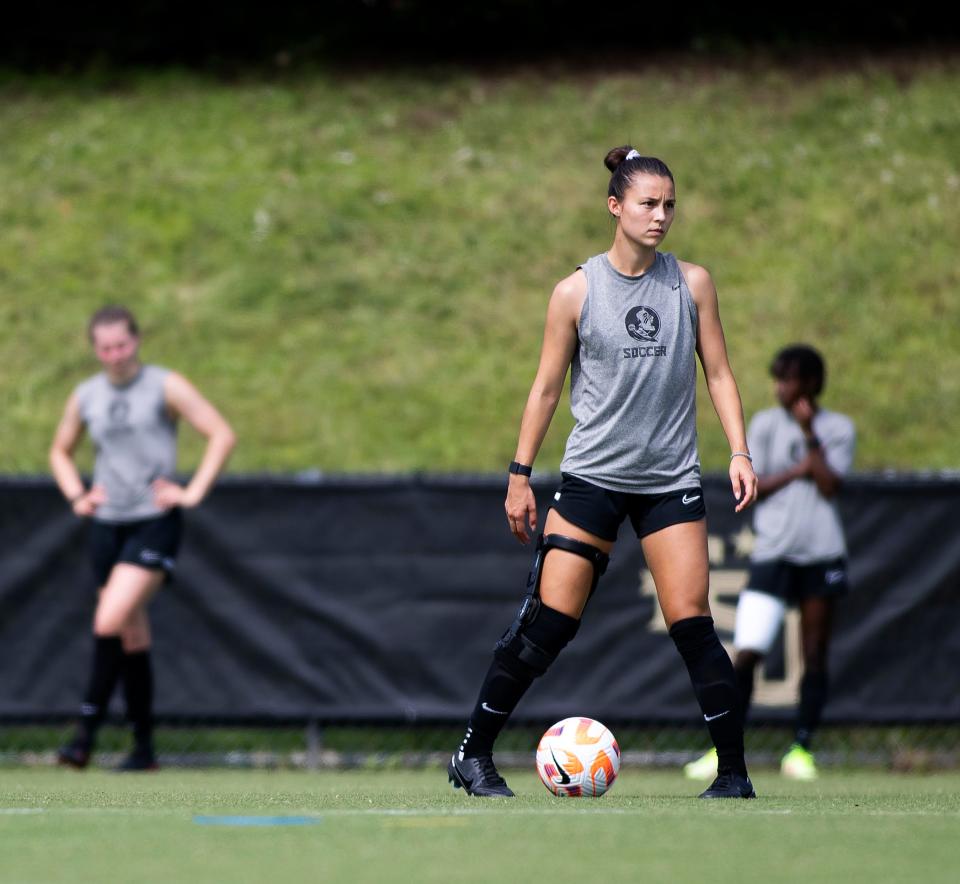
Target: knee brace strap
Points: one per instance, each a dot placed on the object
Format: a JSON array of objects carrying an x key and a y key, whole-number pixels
[
  {"x": 597, "y": 557},
  {"x": 546, "y": 542},
  {"x": 535, "y": 648}
]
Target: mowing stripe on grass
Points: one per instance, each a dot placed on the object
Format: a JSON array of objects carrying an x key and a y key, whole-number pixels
[{"x": 256, "y": 820}]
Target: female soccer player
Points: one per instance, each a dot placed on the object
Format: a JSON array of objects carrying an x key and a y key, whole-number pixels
[
  {"x": 629, "y": 324},
  {"x": 131, "y": 412},
  {"x": 802, "y": 452}
]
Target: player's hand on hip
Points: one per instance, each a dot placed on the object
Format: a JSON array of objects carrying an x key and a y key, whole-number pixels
[
  {"x": 744, "y": 482},
  {"x": 167, "y": 495},
  {"x": 86, "y": 505},
  {"x": 521, "y": 507}
]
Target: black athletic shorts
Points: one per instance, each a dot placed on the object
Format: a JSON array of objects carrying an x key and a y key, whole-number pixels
[
  {"x": 792, "y": 583},
  {"x": 149, "y": 543},
  {"x": 601, "y": 512}
]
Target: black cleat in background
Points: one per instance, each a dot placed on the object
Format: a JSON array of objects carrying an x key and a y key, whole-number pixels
[{"x": 730, "y": 785}]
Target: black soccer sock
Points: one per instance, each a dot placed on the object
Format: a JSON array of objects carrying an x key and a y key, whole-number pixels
[
  {"x": 138, "y": 693},
  {"x": 499, "y": 695},
  {"x": 507, "y": 680},
  {"x": 107, "y": 658},
  {"x": 715, "y": 685},
  {"x": 813, "y": 697},
  {"x": 745, "y": 679}
]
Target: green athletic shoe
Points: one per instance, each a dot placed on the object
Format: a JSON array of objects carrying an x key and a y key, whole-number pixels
[
  {"x": 704, "y": 768},
  {"x": 798, "y": 764}
]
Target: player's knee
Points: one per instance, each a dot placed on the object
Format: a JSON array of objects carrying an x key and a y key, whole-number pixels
[
  {"x": 815, "y": 656},
  {"x": 531, "y": 645},
  {"x": 696, "y": 637},
  {"x": 707, "y": 662},
  {"x": 106, "y": 624},
  {"x": 114, "y": 621},
  {"x": 759, "y": 617},
  {"x": 678, "y": 610},
  {"x": 135, "y": 639}
]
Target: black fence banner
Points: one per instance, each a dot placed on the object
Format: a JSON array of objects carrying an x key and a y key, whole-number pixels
[{"x": 380, "y": 599}]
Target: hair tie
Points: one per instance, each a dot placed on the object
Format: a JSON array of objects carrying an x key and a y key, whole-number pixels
[{"x": 633, "y": 155}]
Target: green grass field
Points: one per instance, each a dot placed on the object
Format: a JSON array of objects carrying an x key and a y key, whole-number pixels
[
  {"x": 356, "y": 266},
  {"x": 409, "y": 826}
]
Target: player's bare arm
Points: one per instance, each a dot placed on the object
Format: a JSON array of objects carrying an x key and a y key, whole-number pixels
[
  {"x": 721, "y": 384},
  {"x": 65, "y": 440},
  {"x": 814, "y": 465},
  {"x": 559, "y": 343},
  {"x": 772, "y": 483},
  {"x": 185, "y": 401}
]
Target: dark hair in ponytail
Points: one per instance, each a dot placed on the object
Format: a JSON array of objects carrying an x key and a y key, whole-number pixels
[{"x": 624, "y": 170}]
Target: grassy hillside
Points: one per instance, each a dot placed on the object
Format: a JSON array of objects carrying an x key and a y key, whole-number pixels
[{"x": 356, "y": 267}]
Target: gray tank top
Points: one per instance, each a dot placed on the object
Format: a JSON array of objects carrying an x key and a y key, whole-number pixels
[
  {"x": 134, "y": 438},
  {"x": 633, "y": 381}
]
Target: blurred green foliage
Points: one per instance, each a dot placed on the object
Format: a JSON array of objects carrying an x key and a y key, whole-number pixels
[{"x": 355, "y": 267}]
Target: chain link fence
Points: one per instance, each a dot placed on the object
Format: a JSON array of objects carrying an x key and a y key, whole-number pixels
[{"x": 315, "y": 745}]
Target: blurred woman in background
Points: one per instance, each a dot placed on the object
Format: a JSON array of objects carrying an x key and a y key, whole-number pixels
[{"x": 131, "y": 411}]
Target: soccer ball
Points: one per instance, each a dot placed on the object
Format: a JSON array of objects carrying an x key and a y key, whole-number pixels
[{"x": 578, "y": 757}]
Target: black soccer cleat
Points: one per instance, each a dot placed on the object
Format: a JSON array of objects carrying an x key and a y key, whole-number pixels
[
  {"x": 477, "y": 776},
  {"x": 730, "y": 785},
  {"x": 75, "y": 754},
  {"x": 138, "y": 761}
]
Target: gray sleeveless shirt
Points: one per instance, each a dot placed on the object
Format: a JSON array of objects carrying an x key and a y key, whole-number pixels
[
  {"x": 633, "y": 381},
  {"x": 135, "y": 441}
]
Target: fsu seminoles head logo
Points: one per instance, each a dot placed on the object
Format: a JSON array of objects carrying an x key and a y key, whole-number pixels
[
  {"x": 642, "y": 323},
  {"x": 119, "y": 410}
]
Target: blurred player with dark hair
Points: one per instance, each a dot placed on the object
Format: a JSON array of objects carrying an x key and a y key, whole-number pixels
[
  {"x": 131, "y": 412},
  {"x": 801, "y": 453},
  {"x": 629, "y": 324}
]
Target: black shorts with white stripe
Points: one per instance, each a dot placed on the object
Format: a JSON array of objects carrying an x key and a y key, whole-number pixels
[
  {"x": 149, "y": 543},
  {"x": 791, "y": 582}
]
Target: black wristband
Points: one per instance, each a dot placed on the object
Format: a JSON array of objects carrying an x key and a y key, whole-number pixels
[
  {"x": 519, "y": 469},
  {"x": 813, "y": 442}
]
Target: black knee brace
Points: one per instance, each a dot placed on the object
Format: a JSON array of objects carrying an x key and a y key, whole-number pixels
[{"x": 540, "y": 633}]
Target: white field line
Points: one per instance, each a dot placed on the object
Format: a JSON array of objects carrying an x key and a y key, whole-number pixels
[{"x": 750, "y": 810}]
